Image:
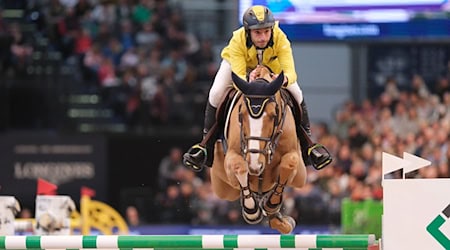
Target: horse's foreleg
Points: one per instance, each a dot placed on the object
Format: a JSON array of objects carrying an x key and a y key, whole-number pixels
[
  {"x": 299, "y": 179},
  {"x": 237, "y": 170},
  {"x": 220, "y": 179},
  {"x": 288, "y": 169},
  {"x": 235, "y": 167}
]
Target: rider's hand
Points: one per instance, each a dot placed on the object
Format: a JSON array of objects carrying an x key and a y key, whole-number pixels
[{"x": 252, "y": 76}]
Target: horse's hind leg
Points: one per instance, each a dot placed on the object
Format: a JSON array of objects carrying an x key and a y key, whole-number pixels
[{"x": 272, "y": 203}]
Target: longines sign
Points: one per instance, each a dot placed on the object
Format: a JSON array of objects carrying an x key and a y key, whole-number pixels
[
  {"x": 69, "y": 161},
  {"x": 55, "y": 172},
  {"x": 58, "y": 172}
]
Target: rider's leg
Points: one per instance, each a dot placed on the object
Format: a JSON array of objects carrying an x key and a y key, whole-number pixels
[
  {"x": 200, "y": 155},
  {"x": 313, "y": 153}
]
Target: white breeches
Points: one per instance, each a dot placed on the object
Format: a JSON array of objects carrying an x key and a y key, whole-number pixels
[
  {"x": 222, "y": 82},
  {"x": 296, "y": 92}
]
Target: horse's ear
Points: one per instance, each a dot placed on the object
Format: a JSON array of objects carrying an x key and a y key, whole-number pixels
[
  {"x": 276, "y": 84},
  {"x": 241, "y": 84}
]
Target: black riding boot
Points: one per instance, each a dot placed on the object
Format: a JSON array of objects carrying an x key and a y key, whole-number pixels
[
  {"x": 313, "y": 154},
  {"x": 201, "y": 155}
]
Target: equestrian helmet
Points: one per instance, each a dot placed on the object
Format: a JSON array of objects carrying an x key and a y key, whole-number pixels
[{"x": 258, "y": 17}]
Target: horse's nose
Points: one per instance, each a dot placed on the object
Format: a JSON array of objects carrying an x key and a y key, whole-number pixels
[{"x": 256, "y": 170}]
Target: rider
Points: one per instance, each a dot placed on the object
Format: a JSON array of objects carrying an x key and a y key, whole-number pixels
[{"x": 259, "y": 41}]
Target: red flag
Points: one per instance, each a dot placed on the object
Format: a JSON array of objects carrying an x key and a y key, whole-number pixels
[
  {"x": 46, "y": 188},
  {"x": 87, "y": 191}
]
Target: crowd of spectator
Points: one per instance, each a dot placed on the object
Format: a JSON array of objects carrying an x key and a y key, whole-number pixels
[{"x": 137, "y": 54}]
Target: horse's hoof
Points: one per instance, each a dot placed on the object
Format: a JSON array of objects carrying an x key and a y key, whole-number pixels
[
  {"x": 284, "y": 224},
  {"x": 252, "y": 218}
]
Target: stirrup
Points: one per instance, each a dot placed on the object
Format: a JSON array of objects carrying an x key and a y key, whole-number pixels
[
  {"x": 195, "y": 160},
  {"x": 319, "y": 156}
]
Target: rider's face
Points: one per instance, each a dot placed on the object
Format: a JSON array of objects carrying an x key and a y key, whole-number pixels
[{"x": 261, "y": 37}]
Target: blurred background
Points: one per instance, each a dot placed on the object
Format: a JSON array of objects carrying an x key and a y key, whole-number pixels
[{"x": 110, "y": 93}]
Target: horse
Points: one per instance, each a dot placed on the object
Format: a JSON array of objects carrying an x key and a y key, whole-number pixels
[{"x": 259, "y": 155}]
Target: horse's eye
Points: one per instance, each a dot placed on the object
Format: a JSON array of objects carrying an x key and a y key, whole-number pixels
[{"x": 272, "y": 116}]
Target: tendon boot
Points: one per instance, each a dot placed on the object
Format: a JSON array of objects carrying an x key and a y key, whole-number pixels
[
  {"x": 202, "y": 154},
  {"x": 313, "y": 153}
]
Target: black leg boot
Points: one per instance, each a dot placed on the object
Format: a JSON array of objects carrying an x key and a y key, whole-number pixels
[
  {"x": 304, "y": 133},
  {"x": 313, "y": 154},
  {"x": 202, "y": 154}
]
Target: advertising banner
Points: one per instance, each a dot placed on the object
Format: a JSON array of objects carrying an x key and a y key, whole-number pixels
[
  {"x": 68, "y": 161},
  {"x": 360, "y": 217}
]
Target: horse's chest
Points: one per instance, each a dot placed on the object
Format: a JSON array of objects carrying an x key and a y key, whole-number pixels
[{"x": 263, "y": 183}]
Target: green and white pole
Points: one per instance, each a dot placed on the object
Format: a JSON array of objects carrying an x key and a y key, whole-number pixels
[{"x": 350, "y": 241}]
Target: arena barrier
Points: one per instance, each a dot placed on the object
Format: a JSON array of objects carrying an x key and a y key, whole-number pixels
[
  {"x": 414, "y": 208},
  {"x": 165, "y": 242}
]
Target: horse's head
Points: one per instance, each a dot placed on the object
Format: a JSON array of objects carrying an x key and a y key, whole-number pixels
[{"x": 259, "y": 115}]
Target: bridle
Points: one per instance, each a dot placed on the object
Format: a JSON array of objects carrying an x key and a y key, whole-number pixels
[{"x": 277, "y": 130}]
